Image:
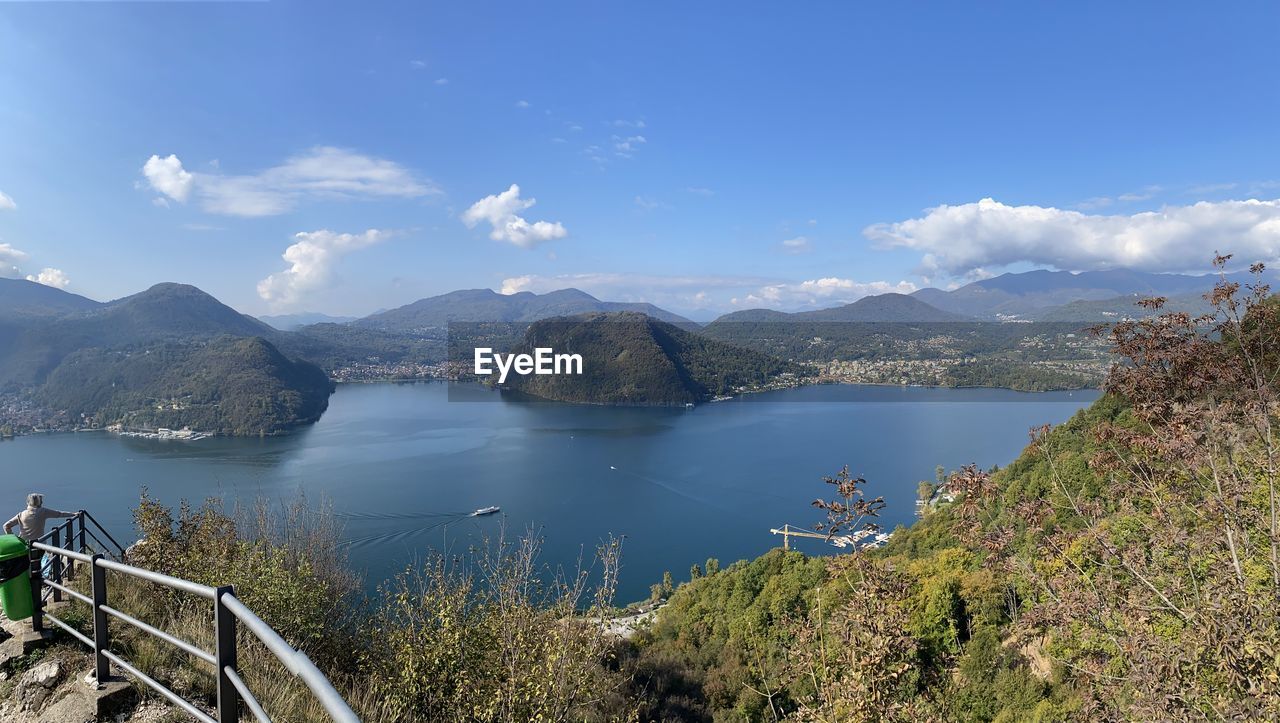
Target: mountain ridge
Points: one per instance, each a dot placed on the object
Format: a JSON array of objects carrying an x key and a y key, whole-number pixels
[
  {"x": 891, "y": 307},
  {"x": 487, "y": 305},
  {"x": 1030, "y": 294}
]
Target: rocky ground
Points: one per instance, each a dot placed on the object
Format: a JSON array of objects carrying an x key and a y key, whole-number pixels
[{"x": 47, "y": 684}]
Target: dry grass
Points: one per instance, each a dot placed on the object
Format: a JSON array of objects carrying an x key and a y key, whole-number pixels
[{"x": 488, "y": 636}]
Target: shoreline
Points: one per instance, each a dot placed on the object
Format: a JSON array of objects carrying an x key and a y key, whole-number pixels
[{"x": 200, "y": 436}]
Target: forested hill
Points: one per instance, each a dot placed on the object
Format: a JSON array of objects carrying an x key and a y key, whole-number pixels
[
  {"x": 165, "y": 312},
  {"x": 1124, "y": 567},
  {"x": 629, "y": 358},
  {"x": 170, "y": 356},
  {"x": 227, "y": 385}
]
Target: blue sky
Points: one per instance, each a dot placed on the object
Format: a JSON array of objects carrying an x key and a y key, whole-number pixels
[{"x": 703, "y": 156}]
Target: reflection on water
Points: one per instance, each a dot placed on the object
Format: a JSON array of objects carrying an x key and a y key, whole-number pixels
[{"x": 405, "y": 466}]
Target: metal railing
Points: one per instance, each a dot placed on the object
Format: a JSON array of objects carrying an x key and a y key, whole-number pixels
[{"x": 229, "y": 613}]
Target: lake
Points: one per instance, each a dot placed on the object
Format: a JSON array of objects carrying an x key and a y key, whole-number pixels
[{"x": 407, "y": 461}]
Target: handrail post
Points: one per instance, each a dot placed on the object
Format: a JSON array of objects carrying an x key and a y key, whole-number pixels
[
  {"x": 55, "y": 562},
  {"x": 101, "y": 668},
  {"x": 80, "y": 516},
  {"x": 224, "y": 624},
  {"x": 71, "y": 561},
  {"x": 37, "y": 600}
]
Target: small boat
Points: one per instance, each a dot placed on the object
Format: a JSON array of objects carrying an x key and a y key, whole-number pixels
[{"x": 485, "y": 511}]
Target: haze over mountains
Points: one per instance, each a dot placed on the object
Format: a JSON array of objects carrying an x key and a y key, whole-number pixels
[
  {"x": 881, "y": 308},
  {"x": 1032, "y": 294},
  {"x": 293, "y": 322},
  {"x": 488, "y": 305}
]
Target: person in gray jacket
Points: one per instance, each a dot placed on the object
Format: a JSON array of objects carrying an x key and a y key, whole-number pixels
[{"x": 30, "y": 522}]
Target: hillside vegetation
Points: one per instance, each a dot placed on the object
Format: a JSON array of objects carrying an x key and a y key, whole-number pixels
[
  {"x": 229, "y": 385},
  {"x": 170, "y": 356},
  {"x": 1125, "y": 567},
  {"x": 630, "y": 358}
]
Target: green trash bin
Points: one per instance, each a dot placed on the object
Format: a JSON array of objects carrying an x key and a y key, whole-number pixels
[{"x": 15, "y": 578}]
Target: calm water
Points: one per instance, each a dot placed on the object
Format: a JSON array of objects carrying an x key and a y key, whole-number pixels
[{"x": 681, "y": 485}]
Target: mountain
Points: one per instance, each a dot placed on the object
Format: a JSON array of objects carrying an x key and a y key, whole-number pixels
[
  {"x": 632, "y": 359},
  {"x": 228, "y": 385},
  {"x": 35, "y": 344},
  {"x": 168, "y": 356},
  {"x": 19, "y": 296},
  {"x": 486, "y": 305},
  {"x": 1121, "y": 307},
  {"x": 169, "y": 311},
  {"x": 292, "y": 322},
  {"x": 1027, "y": 295},
  {"x": 880, "y": 308}
]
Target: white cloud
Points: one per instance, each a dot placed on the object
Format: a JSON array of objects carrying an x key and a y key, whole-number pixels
[
  {"x": 700, "y": 191},
  {"x": 417, "y": 64},
  {"x": 626, "y": 286},
  {"x": 442, "y": 81},
  {"x": 820, "y": 293},
  {"x": 627, "y": 146},
  {"x": 628, "y": 124},
  {"x": 7, "y": 203},
  {"x": 51, "y": 277},
  {"x": 522, "y": 104},
  {"x": 10, "y": 268},
  {"x": 312, "y": 258},
  {"x": 1208, "y": 188},
  {"x": 595, "y": 153},
  {"x": 958, "y": 239},
  {"x": 1095, "y": 203},
  {"x": 1098, "y": 203},
  {"x": 9, "y": 260},
  {"x": 690, "y": 293},
  {"x": 649, "y": 203},
  {"x": 1143, "y": 195},
  {"x": 167, "y": 176},
  {"x": 797, "y": 245},
  {"x": 502, "y": 213},
  {"x": 323, "y": 172},
  {"x": 708, "y": 292},
  {"x": 517, "y": 284}
]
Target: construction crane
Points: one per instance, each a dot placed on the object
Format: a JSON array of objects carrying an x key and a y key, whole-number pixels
[{"x": 788, "y": 532}]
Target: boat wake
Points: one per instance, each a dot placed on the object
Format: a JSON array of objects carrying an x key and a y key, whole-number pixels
[
  {"x": 670, "y": 488},
  {"x": 439, "y": 520}
]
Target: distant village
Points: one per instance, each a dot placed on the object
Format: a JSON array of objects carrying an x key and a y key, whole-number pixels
[
  {"x": 20, "y": 415},
  {"x": 374, "y": 371}
]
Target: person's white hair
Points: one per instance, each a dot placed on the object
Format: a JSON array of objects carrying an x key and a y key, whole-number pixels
[{"x": 35, "y": 499}]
